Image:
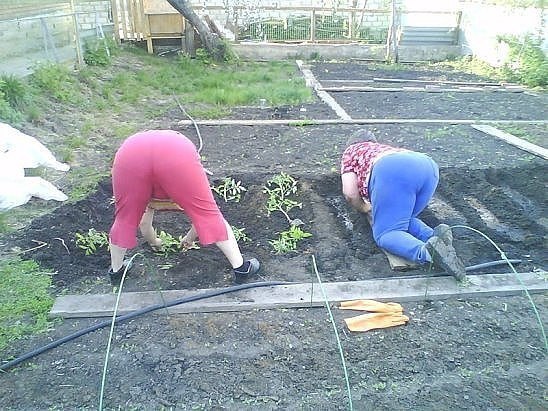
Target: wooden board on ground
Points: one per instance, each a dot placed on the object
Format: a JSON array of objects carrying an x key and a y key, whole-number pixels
[
  {"x": 511, "y": 139},
  {"x": 326, "y": 121},
  {"x": 299, "y": 295}
]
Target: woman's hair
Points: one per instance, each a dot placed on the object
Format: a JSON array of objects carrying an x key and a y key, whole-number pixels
[{"x": 361, "y": 136}]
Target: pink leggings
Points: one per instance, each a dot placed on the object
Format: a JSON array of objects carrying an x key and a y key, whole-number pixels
[{"x": 162, "y": 164}]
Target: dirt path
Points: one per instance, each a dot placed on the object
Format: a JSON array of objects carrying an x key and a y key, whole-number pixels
[{"x": 481, "y": 354}]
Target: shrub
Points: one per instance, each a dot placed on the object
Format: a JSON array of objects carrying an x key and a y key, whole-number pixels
[{"x": 526, "y": 62}]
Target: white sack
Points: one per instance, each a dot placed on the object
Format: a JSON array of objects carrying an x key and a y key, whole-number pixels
[
  {"x": 26, "y": 150},
  {"x": 17, "y": 152},
  {"x": 18, "y": 191}
]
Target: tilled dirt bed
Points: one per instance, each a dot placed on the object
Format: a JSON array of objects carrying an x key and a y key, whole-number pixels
[{"x": 473, "y": 354}]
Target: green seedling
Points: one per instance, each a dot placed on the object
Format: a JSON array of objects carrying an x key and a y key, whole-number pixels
[
  {"x": 170, "y": 244},
  {"x": 288, "y": 240},
  {"x": 279, "y": 188},
  {"x": 239, "y": 234},
  {"x": 230, "y": 189},
  {"x": 91, "y": 241}
]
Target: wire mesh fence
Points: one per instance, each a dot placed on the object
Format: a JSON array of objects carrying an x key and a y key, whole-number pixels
[
  {"x": 56, "y": 36},
  {"x": 315, "y": 25}
]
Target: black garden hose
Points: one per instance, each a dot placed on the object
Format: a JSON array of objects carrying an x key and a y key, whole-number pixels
[
  {"x": 125, "y": 317},
  {"x": 491, "y": 264},
  {"x": 208, "y": 294}
]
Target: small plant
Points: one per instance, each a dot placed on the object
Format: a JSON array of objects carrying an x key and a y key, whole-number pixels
[
  {"x": 91, "y": 241},
  {"x": 239, "y": 234},
  {"x": 170, "y": 244},
  {"x": 288, "y": 240},
  {"x": 279, "y": 188},
  {"x": 230, "y": 189}
]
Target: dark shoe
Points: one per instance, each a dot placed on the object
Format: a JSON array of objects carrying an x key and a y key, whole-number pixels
[
  {"x": 248, "y": 269},
  {"x": 116, "y": 277},
  {"x": 444, "y": 256},
  {"x": 444, "y": 232}
]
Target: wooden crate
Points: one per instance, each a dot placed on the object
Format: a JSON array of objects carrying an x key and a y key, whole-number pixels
[
  {"x": 161, "y": 22},
  {"x": 147, "y": 20}
]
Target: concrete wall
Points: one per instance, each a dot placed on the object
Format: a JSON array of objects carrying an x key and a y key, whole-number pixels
[{"x": 269, "y": 51}]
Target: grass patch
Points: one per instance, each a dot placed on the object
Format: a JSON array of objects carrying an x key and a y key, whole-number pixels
[
  {"x": 26, "y": 302},
  {"x": 85, "y": 182},
  {"x": 533, "y": 133}
]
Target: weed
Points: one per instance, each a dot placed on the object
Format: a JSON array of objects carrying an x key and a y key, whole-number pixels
[
  {"x": 239, "y": 234},
  {"x": 288, "y": 240},
  {"x": 441, "y": 132},
  {"x": 279, "y": 188},
  {"x": 4, "y": 226},
  {"x": 85, "y": 181},
  {"x": 91, "y": 241},
  {"x": 58, "y": 81},
  {"x": 7, "y": 113},
  {"x": 25, "y": 300},
  {"x": 230, "y": 189},
  {"x": 379, "y": 386},
  {"x": 15, "y": 91},
  {"x": 98, "y": 52}
]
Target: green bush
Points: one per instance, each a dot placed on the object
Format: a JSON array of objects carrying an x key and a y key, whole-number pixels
[
  {"x": 15, "y": 91},
  {"x": 7, "y": 113},
  {"x": 526, "y": 62},
  {"x": 99, "y": 52}
]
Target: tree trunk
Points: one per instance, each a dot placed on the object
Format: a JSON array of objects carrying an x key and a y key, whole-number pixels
[{"x": 212, "y": 43}]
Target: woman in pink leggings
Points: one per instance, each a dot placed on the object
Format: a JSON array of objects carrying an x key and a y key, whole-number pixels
[{"x": 164, "y": 165}]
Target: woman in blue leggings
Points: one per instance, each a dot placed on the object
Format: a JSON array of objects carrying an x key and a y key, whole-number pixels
[{"x": 396, "y": 185}]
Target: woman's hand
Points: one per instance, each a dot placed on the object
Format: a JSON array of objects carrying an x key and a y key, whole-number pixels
[
  {"x": 157, "y": 245},
  {"x": 188, "y": 240},
  {"x": 365, "y": 206}
]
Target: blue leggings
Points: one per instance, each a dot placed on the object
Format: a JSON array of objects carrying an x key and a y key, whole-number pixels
[{"x": 400, "y": 187}]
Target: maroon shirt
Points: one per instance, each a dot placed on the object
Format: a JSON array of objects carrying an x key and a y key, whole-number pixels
[{"x": 359, "y": 159}]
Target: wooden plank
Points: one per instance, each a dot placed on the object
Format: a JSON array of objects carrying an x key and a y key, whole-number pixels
[
  {"x": 298, "y": 295},
  {"x": 427, "y": 89},
  {"x": 513, "y": 140},
  {"x": 403, "y": 80},
  {"x": 311, "y": 122},
  {"x": 325, "y": 97},
  {"x": 116, "y": 19}
]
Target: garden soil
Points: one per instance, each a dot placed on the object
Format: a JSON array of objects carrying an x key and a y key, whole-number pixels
[{"x": 471, "y": 354}]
